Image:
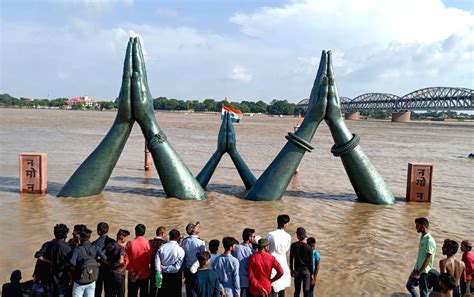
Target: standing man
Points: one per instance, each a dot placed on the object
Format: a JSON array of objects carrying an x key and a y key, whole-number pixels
[
  {"x": 204, "y": 283},
  {"x": 191, "y": 245},
  {"x": 280, "y": 242},
  {"x": 155, "y": 244},
  {"x": 101, "y": 243},
  {"x": 227, "y": 268},
  {"x": 168, "y": 262},
  {"x": 242, "y": 252},
  {"x": 260, "y": 270},
  {"x": 301, "y": 263},
  {"x": 468, "y": 259},
  {"x": 452, "y": 265},
  {"x": 138, "y": 252},
  {"x": 57, "y": 253},
  {"x": 85, "y": 270},
  {"x": 114, "y": 282},
  {"x": 424, "y": 260}
]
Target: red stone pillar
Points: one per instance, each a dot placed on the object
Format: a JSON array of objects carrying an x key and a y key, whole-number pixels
[
  {"x": 147, "y": 159},
  {"x": 355, "y": 116},
  {"x": 401, "y": 117},
  {"x": 419, "y": 182},
  {"x": 33, "y": 173}
]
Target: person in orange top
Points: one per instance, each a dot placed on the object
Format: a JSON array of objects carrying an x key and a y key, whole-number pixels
[
  {"x": 260, "y": 270},
  {"x": 468, "y": 259},
  {"x": 138, "y": 252}
]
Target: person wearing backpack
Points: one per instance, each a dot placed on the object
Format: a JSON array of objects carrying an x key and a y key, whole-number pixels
[{"x": 85, "y": 266}]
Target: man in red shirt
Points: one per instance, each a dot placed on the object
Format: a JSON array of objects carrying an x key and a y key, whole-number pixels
[
  {"x": 468, "y": 259},
  {"x": 138, "y": 252},
  {"x": 260, "y": 270}
]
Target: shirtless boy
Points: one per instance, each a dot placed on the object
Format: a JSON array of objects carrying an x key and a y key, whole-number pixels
[{"x": 451, "y": 265}]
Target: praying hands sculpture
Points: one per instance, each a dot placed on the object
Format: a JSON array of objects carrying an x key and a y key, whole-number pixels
[{"x": 324, "y": 104}]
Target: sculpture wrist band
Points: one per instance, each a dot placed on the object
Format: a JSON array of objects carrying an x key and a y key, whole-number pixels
[
  {"x": 298, "y": 141},
  {"x": 157, "y": 139},
  {"x": 347, "y": 147}
]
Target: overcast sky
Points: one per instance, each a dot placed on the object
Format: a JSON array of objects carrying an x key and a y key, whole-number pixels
[{"x": 242, "y": 50}]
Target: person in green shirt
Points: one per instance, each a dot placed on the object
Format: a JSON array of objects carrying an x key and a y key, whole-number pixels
[{"x": 424, "y": 260}]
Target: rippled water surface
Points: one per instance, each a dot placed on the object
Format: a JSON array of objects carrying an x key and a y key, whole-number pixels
[{"x": 366, "y": 250}]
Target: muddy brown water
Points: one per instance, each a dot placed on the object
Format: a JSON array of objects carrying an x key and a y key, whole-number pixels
[{"x": 366, "y": 250}]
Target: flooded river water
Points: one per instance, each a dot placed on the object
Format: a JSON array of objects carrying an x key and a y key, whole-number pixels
[{"x": 366, "y": 250}]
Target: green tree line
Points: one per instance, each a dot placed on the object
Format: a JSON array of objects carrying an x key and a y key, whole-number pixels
[{"x": 276, "y": 107}]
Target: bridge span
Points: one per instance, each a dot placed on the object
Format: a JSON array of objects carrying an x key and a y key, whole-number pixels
[{"x": 427, "y": 99}]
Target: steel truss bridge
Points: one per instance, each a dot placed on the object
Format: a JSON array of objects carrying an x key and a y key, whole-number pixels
[{"x": 432, "y": 99}]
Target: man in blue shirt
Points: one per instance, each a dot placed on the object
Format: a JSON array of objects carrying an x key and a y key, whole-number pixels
[
  {"x": 227, "y": 268},
  {"x": 191, "y": 245},
  {"x": 242, "y": 252}
]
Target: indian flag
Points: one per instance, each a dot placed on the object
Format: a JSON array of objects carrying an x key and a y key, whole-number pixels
[{"x": 235, "y": 114}]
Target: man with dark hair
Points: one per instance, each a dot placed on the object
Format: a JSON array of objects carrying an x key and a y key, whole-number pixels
[
  {"x": 468, "y": 259},
  {"x": 75, "y": 240},
  {"x": 424, "y": 260},
  {"x": 168, "y": 262},
  {"x": 138, "y": 252},
  {"x": 280, "y": 242},
  {"x": 446, "y": 285},
  {"x": 191, "y": 245},
  {"x": 155, "y": 244},
  {"x": 452, "y": 265},
  {"x": 301, "y": 263},
  {"x": 114, "y": 282},
  {"x": 227, "y": 268},
  {"x": 80, "y": 256},
  {"x": 204, "y": 283},
  {"x": 260, "y": 270},
  {"x": 316, "y": 264},
  {"x": 57, "y": 254},
  {"x": 101, "y": 243},
  {"x": 242, "y": 252},
  {"x": 13, "y": 288},
  {"x": 42, "y": 271}
]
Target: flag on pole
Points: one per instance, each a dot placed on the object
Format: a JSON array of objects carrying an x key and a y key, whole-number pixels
[{"x": 235, "y": 114}]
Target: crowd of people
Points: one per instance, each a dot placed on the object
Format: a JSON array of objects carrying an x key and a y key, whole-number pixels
[
  {"x": 257, "y": 266},
  {"x": 454, "y": 277}
]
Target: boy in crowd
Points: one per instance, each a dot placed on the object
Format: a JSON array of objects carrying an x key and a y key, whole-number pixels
[
  {"x": 242, "y": 252},
  {"x": 114, "y": 283},
  {"x": 227, "y": 268},
  {"x": 279, "y": 242},
  {"x": 468, "y": 259},
  {"x": 83, "y": 252},
  {"x": 138, "y": 252},
  {"x": 191, "y": 245},
  {"x": 57, "y": 254},
  {"x": 213, "y": 248},
  {"x": 260, "y": 270},
  {"x": 451, "y": 265},
  {"x": 446, "y": 284},
  {"x": 102, "y": 242},
  {"x": 205, "y": 283},
  {"x": 316, "y": 261},
  {"x": 301, "y": 263},
  {"x": 168, "y": 262}
]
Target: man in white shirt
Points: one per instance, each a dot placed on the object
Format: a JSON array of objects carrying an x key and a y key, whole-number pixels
[
  {"x": 280, "y": 242},
  {"x": 168, "y": 261}
]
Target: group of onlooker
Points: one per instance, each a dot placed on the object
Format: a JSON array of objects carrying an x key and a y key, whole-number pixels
[
  {"x": 454, "y": 277},
  {"x": 255, "y": 267}
]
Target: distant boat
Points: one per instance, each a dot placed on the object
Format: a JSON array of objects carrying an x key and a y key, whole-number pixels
[{"x": 471, "y": 156}]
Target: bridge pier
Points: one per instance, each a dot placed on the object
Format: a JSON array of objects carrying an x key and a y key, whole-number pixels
[
  {"x": 355, "y": 116},
  {"x": 401, "y": 117}
]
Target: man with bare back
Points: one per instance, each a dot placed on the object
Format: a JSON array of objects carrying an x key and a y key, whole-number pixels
[{"x": 451, "y": 265}]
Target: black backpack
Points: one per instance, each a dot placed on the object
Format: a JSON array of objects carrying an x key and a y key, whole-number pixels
[{"x": 87, "y": 270}]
